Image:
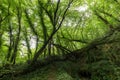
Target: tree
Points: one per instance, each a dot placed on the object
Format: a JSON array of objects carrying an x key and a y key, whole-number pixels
[{"x": 49, "y": 24}]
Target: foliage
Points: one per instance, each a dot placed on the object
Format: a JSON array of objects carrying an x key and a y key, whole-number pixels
[{"x": 38, "y": 29}]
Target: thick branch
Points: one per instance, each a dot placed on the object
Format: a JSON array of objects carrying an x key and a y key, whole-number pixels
[{"x": 51, "y": 36}]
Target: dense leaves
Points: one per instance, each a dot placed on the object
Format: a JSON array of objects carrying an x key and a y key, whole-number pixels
[{"x": 37, "y": 29}]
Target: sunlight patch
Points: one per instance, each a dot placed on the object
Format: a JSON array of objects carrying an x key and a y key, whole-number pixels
[{"x": 82, "y": 8}]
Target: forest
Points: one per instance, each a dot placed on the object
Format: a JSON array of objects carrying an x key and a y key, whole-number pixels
[{"x": 59, "y": 39}]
